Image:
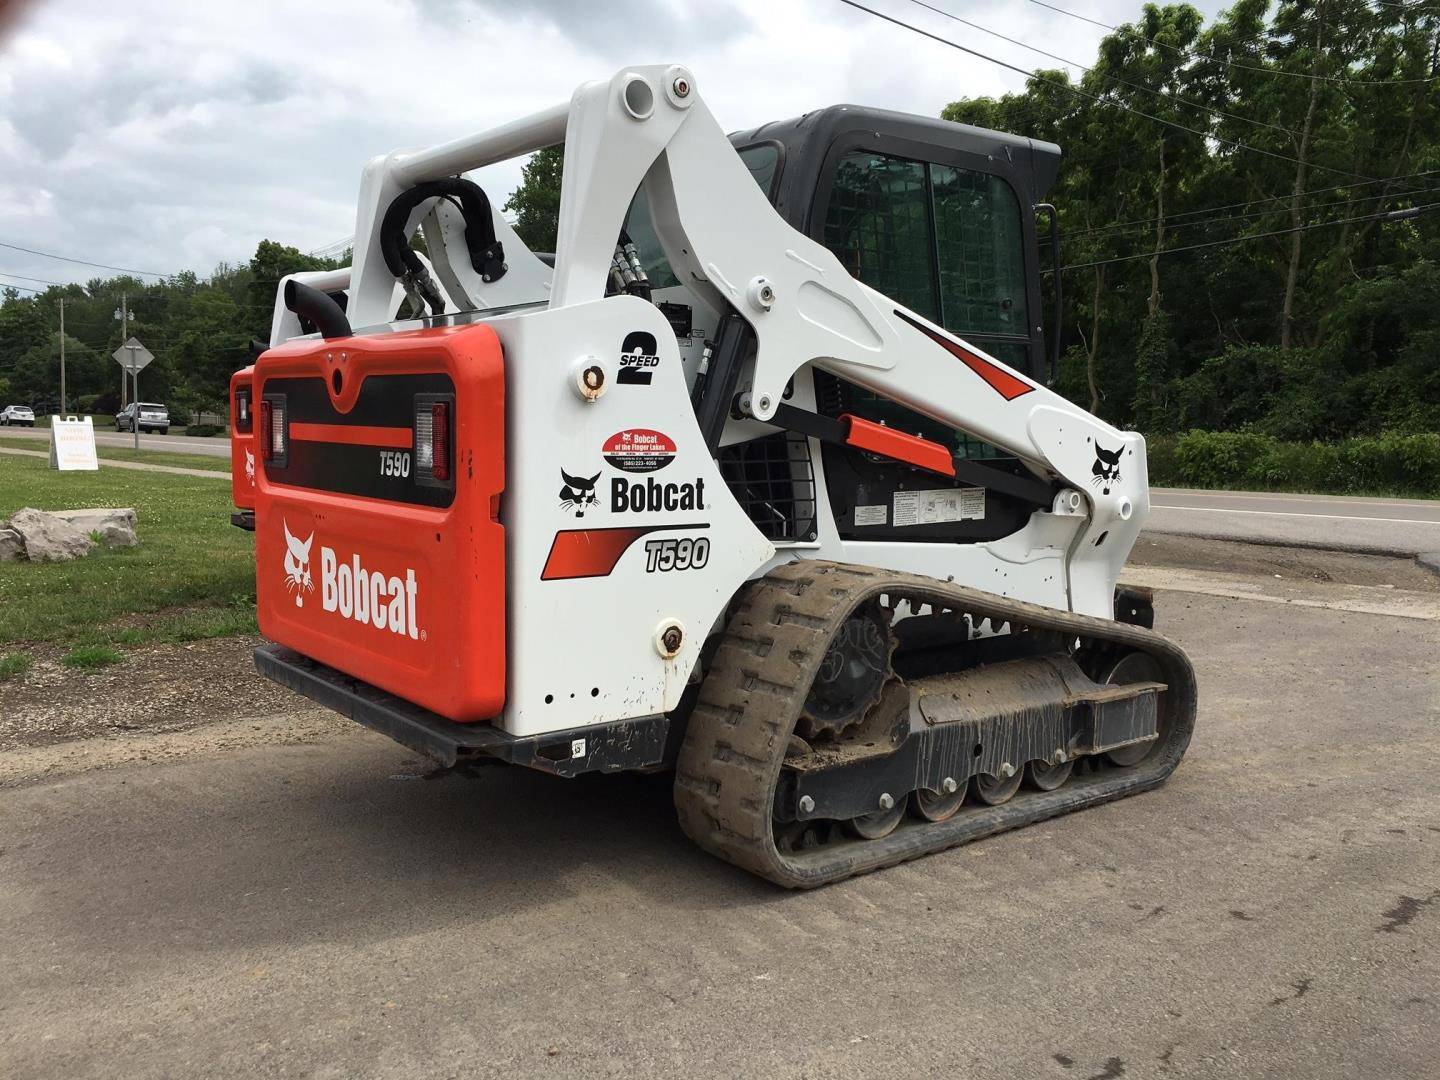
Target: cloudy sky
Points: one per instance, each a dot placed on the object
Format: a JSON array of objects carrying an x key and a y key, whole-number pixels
[{"x": 175, "y": 135}]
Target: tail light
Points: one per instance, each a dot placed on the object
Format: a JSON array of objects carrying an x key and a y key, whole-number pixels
[
  {"x": 273, "y": 433},
  {"x": 440, "y": 440},
  {"x": 244, "y": 419},
  {"x": 432, "y": 439}
]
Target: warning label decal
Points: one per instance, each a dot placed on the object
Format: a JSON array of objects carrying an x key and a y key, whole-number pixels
[{"x": 935, "y": 507}]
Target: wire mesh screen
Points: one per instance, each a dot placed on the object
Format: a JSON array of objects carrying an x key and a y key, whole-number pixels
[{"x": 773, "y": 480}]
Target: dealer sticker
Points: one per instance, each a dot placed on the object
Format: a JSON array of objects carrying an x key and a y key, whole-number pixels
[{"x": 639, "y": 450}]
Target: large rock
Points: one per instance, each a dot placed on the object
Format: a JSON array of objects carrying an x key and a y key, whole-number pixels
[
  {"x": 115, "y": 528},
  {"x": 48, "y": 538},
  {"x": 11, "y": 546}
]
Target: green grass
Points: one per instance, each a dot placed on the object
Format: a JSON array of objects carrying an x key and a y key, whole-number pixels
[
  {"x": 15, "y": 664},
  {"x": 192, "y": 575},
  {"x": 149, "y": 457},
  {"x": 92, "y": 656}
]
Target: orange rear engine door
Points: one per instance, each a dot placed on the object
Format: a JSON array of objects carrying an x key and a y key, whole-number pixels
[{"x": 379, "y": 549}]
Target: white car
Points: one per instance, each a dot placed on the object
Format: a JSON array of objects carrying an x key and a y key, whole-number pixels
[
  {"x": 153, "y": 417},
  {"x": 21, "y": 415}
]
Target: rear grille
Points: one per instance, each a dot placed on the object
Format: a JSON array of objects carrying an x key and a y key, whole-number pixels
[{"x": 773, "y": 480}]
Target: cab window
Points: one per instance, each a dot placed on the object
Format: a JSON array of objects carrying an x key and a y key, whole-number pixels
[{"x": 945, "y": 242}]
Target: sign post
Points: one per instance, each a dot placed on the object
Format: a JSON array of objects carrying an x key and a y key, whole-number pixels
[
  {"x": 133, "y": 357},
  {"x": 72, "y": 444}
]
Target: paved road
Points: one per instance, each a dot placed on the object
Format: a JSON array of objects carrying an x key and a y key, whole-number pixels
[
  {"x": 218, "y": 446},
  {"x": 318, "y": 911},
  {"x": 1383, "y": 526}
]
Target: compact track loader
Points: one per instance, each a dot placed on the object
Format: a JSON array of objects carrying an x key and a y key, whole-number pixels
[{"x": 756, "y": 477}]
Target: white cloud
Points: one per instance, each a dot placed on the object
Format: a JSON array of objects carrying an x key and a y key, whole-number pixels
[{"x": 175, "y": 135}]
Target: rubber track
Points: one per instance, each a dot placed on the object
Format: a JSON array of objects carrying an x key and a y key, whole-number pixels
[{"x": 757, "y": 682}]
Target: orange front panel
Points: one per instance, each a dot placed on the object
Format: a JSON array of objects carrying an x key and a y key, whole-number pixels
[{"x": 363, "y": 563}]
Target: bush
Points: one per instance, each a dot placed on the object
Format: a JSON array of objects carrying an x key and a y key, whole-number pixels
[
  {"x": 204, "y": 430},
  {"x": 1406, "y": 464}
]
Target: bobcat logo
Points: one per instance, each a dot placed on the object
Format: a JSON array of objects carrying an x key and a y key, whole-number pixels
[
  {"x": 297, "y": 565},
  {"x": 250, "y": 466},
  {"x": 578, "y": 493},
  {"x": 1106, "y": 469}
]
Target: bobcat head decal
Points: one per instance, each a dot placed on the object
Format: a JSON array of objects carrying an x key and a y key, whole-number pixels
[
  {"x": 250, "y": 466},
  {"x": 1106, "y": 469},
  {"x": 577, "y": 493},
  {"x": 297, "y": 565}
]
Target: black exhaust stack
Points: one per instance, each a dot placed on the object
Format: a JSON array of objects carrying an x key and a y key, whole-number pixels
[{"x": 317, "y": 307}]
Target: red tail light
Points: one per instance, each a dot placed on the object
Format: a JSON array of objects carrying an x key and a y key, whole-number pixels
[
  {"x": 440, "y": 440},
  {"x": 267, "y": 430}
]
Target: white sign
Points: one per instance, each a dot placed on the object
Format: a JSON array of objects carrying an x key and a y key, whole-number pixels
[
  {"x": 72, "y": 444},
  {"x": 132, "y": 356}
]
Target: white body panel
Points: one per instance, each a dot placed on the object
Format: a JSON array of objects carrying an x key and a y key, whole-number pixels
[{"x": 584, "y": 650}]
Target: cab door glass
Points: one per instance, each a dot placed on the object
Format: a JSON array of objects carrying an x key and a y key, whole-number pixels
[
  {"x": 878, "y": 226},
  {"x": 982, "y": 253}
]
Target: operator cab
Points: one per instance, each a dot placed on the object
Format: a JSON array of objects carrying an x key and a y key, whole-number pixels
[{"x": 936, "y": 215}]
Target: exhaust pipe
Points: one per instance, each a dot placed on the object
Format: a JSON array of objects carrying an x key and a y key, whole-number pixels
[{"x": 318, "y": 307}]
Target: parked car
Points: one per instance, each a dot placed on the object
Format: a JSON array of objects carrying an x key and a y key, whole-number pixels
[
  {"x": 17, "y": 415},
  {"x": 153, "y": 417}
]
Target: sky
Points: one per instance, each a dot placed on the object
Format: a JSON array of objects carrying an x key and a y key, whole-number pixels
[{"x": 169, "y": 136}]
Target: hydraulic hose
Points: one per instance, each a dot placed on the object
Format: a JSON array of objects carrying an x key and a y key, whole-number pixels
[{"x": 487, "y": 254}]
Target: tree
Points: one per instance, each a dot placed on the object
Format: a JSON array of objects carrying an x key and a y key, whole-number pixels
[{"x": 536, "y": 201}]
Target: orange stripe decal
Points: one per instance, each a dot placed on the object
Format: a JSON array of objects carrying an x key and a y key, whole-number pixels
[
  {"x": 399, "y": 438},
  {"x": 1003, "y": 382},
  {"x": 586, "y": 553}
]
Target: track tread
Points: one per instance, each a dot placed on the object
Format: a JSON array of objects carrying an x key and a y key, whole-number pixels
[{"x": 749, "y": 702}]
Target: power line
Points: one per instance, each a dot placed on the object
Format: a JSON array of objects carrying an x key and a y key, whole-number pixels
[
  {"x": 82, "y": 262},
  {"x": 1268, "y": 198},
  {"x": 1228, "y": 63},
  {"x": 27, "y": 277},
  {"x": 1096, "y": 98},
  {"x": 1111, "y": 78},
  {"x": 22, "y": 288},
  {"x": 1104, "y": 232},
  {"x": 1393, "y": 215}
]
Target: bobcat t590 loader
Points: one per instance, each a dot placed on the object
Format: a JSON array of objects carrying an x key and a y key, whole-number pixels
[{"x": 756, "y": 478}]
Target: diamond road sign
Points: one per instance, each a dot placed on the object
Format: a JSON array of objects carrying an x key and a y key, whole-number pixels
[{"x": 132, "y": 356}]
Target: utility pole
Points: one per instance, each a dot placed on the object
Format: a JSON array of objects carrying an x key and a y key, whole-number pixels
[
  {"x": 124, "y": 336},
  {"x": 62, "y": 356}
]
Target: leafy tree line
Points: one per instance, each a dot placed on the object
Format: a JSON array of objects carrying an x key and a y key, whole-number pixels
[
  {"x": 1223, "y": 197},
  {"x": 1291, "y": 129},
  {"x": 199, "y": 330}
]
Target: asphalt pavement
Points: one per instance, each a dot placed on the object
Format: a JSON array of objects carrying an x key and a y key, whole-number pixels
[
  {"x": 1336, "y": 522},
  {"x": 322, "y": 910},
  {"x": 1375, "y": 525}
]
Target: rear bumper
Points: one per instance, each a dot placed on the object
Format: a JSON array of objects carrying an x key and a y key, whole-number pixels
[{"x": 629, "y": 744}]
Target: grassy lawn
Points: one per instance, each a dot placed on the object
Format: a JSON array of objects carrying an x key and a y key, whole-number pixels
[
  {"x": 192, "y": 576},
  {"x": 150, "y": 457}
]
